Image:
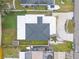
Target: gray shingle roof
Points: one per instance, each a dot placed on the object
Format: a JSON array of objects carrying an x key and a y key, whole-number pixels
[
  {"x": 38, "y": 31},
  {"x": 37, "y": 1}
]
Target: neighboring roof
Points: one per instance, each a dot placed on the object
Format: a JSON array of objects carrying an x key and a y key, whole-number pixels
[
  {"x": 37, "y": 1},
  {"x": 36, "y": 55}
]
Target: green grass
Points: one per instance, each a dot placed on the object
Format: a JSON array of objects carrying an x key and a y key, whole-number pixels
[
  {"x": 33, "y": 42},
  {"x": 68, "y": 6},
  {"x": 18, "y": 6},
  {"x": 69, "y": 26},
  {"x": 40, "y": 12},
  {"x": 9, "y": 21},
  {"x": 40, "y": 8},
  {"x": 8, "y": 36},
  {"x": 9, "y": 27},
  {"x": 11, "y": 52},
  {"x": 64, "y": 47}
]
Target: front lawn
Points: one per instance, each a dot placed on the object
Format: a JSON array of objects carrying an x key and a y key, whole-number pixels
[
  {"x": 66, "y": 7},
  {"x": 64, "y": 47}
]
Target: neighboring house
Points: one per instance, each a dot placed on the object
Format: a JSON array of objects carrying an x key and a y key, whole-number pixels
[
  {"x": 50, "y": 4},
  {"x": 36, "y": 55},
  {"x": 37, "y": 52}
]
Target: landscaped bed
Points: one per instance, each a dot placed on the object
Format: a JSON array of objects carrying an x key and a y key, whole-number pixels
[
  {"x": 69, "y": 26},
  {"x": 64, "y": 47},
  {"x": 66, "y": 6},
  {"x": 33, "y": 42}
]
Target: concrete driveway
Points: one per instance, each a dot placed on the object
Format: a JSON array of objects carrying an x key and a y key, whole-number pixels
[{"x": 62, "y": 18}]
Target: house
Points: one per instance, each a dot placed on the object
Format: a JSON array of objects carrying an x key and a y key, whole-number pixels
[{"x": 35, "y": 27}]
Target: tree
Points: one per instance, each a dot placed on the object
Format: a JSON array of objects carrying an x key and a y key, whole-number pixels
[
  {"x": 3, "y": 7},
  {"x": 54, "y": 37}
]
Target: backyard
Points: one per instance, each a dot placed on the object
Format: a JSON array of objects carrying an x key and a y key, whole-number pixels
[{"x": 9, "y": 34}]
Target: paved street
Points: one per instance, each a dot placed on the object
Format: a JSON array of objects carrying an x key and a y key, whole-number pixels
[
  {"x": 76, "y": 34},
  {"x": 62, "y": 18}
]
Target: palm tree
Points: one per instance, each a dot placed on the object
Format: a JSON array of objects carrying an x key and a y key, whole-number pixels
[{"x": 54, "y": 37}]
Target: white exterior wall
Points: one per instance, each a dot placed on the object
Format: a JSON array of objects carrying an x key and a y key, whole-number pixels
[{"x": 22, "y": 55}]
